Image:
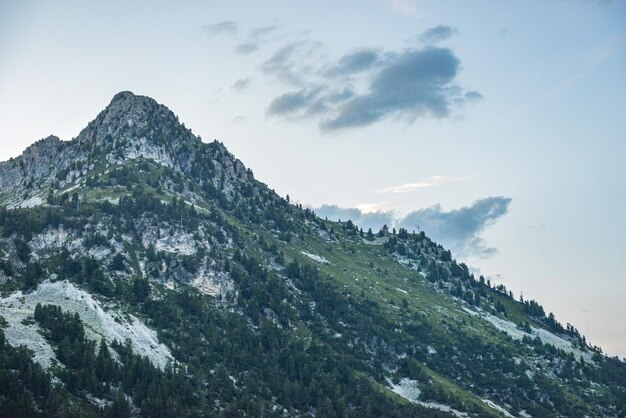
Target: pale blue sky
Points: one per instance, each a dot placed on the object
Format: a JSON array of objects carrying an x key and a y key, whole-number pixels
[{"x": 549, "y": 132}]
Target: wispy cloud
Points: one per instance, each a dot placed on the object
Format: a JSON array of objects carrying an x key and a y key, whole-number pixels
[
  {"x": 458, "y": 229},
  {"x": 241, "y": 84},
  {"x": 430, "y": 182},
  {"x": 366, "y": 208},
  {"x": 256, "y": 38},
  {"x": 406, "y": 7},
  {"x": 437, "y": 34},
  {"x": 225, "y": 27},
  {"x": 246, "y": 48},
  {"x": 593, "y": 57},
  {"x": 290, "y": 63},
  {"x": 607, "y": 48},
  {"x": 262, "y": 32}
]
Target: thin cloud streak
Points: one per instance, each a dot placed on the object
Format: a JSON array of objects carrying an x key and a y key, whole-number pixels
[
  {"x": 405, "y": 7},
  {"x": 367, "y": 208},
  {"x": 262, "y": 32},
  {"x": 225, "y": 27},
  {"x": 246, "y": 48},
  {"x": 430, "y": 182}
]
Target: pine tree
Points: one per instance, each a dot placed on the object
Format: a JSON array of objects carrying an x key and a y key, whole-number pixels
[{"x": 104, "y": 363}]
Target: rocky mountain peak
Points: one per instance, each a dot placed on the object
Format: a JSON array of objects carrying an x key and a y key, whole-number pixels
[
  {"x": 130, "y": 116},
  {"x": 126, "y": 103},
  {"x": 130, "y": 128},
  {"x": 125, "y": 95}
]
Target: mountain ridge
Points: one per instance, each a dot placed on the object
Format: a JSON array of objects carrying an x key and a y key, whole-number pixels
[{"x": 259, "y": 305}]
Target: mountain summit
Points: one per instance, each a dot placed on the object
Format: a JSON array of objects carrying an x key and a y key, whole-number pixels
[
  {"x": 131, "y": 127},
  {"x": 144, "y": 272},
  {"x": 131, "y": 114}
]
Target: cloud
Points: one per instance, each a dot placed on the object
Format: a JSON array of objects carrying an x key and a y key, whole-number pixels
[
  {"x": 595, "y": 56},
  {"x": 471, "y": 96},
  {"x": 430, "y": 182},
  {"x": 413, "y": 84},
  {"x": 437, "y": 34},
  {"x": 374, "y": 220},
  {"x": 219, "y": 28},
  {"x": 406, "y": 7},
  {"x": 287, "y": 64},
  {"x": 246, "y": 48},
  {"x": 373, "y": 207},
  {"x": 293, "y": 102},
  {"x": 257, "y": 36},
  {"x": 458, "y": 229},
  {"x": 607, "y": 48},
  {"x": 241, "y": 84},
  {"x": 360, "y": 87},
  {"x": 355, "y": 62},
  {"x": 262, "y": 32},
  {"x": 306, "y": 102},
  {"x": 408, "y": 85}
]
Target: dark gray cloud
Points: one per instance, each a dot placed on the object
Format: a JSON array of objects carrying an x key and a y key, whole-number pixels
[
  {"x": 437, "y": 34},
  {"x": 225, "y": 27},
  {"x": 458, "y": 229},
  {"x": 241, "y": 84},
  {"x": 412, "y": 84},
  {"x": 247, "y": 48}
]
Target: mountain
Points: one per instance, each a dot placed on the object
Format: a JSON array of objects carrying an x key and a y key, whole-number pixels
[{"x": 144, "y": 272}]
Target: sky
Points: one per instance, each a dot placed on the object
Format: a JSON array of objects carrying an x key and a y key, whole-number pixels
[{"x": 496, "y": 126}]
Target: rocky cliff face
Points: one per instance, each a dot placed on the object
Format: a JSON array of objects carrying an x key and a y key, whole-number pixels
[{"x": 36, "y": 162}]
